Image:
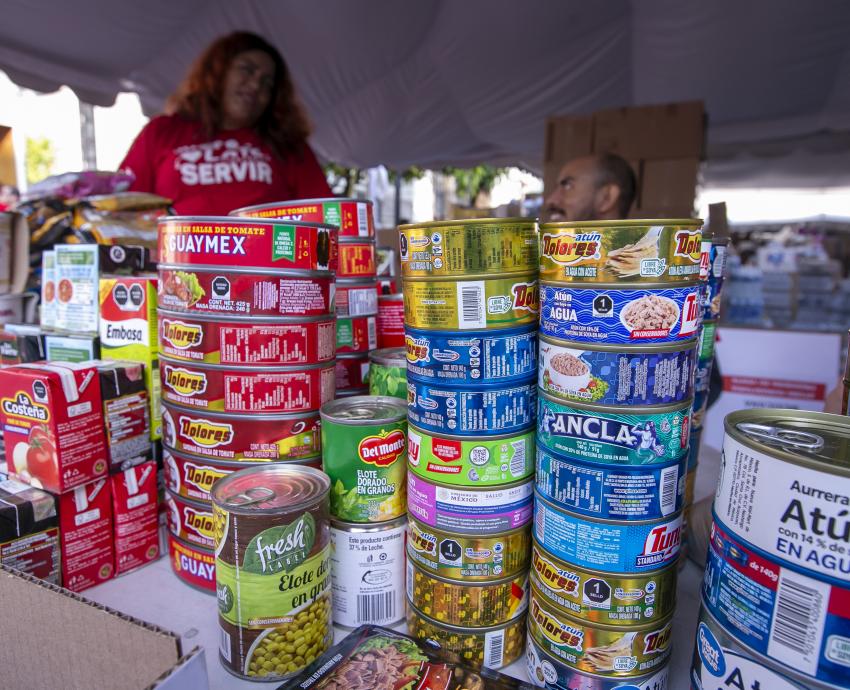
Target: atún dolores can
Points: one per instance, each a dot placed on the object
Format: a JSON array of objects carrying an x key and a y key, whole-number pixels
[{"x": 352, "y": 216}]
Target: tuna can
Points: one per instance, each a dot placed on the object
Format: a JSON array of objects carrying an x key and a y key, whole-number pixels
[
  {"x": 367, "y": 567},
  {"x": 351, "y": 392},
  {"x": 614, "y": 435},
  {"x": 190, "y": 521},
  {"x": 243, "y": 243},
  {"x": 474, "y": 303},
  {"x": 353, "y": 216},
  {"x": 273, "y": 570},
  {"x": 705, "y": 349},
  {"x": 247, "y": 389},
  {"x": 458, "y": 461},
  {"x": 714, "y": 284},
  {"x": 356, "y": 334},
  {"x": 620, "y": 315},
  {"x": 194, "y": 565},
  {"x": 240, "y": 436},
  {"x": 364, "y": 454},
  {"x": 546, "y": 671},
  {"x": 608, "y": 251},
  {"x": 494, "y": 647},
  {"x": 228, "y": 292},
  {"x": 388, "y": 372},
  {"x": 356, "y": 297},
  {"x": 468, "y": 557},
  {"x": 606, "y": 650},
  {"x": 357, "y": 258},
  {"x": 472, "y": 358},
  {"x": 208, "y": 339},
  {"x": 457, "y": 248},
  {"x": 693, "y": 449},
  {"x": 484, "y": 511},
  {"x": 471, "y": 605},
  {"x": 352, "y": 371},
  {"x": 390, "y": 320},
  {"x": 471, "y": 410},
  {"x": 613, "y": 546},
  {"x": 611, "y": 492},
  {"x": 617, "y": 375},
  {"x": 623, "y": 600}
]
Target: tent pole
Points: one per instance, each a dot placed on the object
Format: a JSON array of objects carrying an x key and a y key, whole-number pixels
[{"x": 397, "y": 197}]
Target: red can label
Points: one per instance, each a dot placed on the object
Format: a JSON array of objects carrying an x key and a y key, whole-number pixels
[
  {"x": 356, "y": 335},
  {"x": 194, "y": 566},
  {"x": 245, "y": 294},
  {"x": 391, "y": 321},
  {"x": 248, "y": 244},
  {"x": 357, "y": 299},
  {"x": 224, "y": 389},
  {"x": 354, "y": 218},
  {"x": 190, "y": 521},
  {"x": 352, "y": 372},
  {"x": 357, "y": 260}
]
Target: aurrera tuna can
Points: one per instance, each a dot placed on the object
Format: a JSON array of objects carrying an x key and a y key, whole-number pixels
[{"x": 352, "y": 216}]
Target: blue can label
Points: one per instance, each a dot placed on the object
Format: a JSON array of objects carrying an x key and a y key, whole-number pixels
[
  {"x": 611, "y": 492},
  {"x": 614, "y": 547},
  {"x": 612, "y": 315},
  {"x": 577, "y": 373},
  {"x": 693, "y": 447},
  {"x": 712, "y": 287},
  {"x": 464, "y": 411},
  {"x": 612, "y": 437},
  {"x": 473, "y": 357}
]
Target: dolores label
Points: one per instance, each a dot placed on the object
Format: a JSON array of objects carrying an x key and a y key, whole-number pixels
[{"x": 613, "y": 315}]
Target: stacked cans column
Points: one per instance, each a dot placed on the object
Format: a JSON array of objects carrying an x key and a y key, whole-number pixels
[
  {"x": 471, "y": 304},
  {"x": 246, "y": 332},
  {"x": 618, "y": 326}
]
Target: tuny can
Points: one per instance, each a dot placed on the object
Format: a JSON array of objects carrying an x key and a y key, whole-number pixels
[
  {"x": 390, "y": 320},
  {"x": 364, "y": 455},
  {"x": 240, "y": 436},
  {"x": 473, "y": 605},
  {"x": 473, "y": 303},
  {"x": 356, "y": 334},
  {"x": 614, "y": 435},
  {"x": 465, "y": 462},
  {"x": 472, "y": 409},
  {"x": 474, "y": 357},
  {"x": 466, "y": 556},
  {"x": 247, "y": 389},
  {"x": 608, "y": 251},
  {"x": 357, "y": 258},
  {"x": 227, "y": 292},
  {"x": 479, "y": 511},
  {"x": 611, "y": 492},
  {"x": 613, "y": 546},
  {"x": 616, "y": 374},
  {"x": 209, "y": 339},
  {"x": 352, "y": 371},
  {"x": 356, "y": 297},
  {"x": 353, "y": 216},
  {"x": 367, "y": 567},
  {"x": 192, "y": 564},
  {"x": 388, "y": 372},
  {"x": 620, "y": 314},
  {"x": 600, "y": 597},
  {"x": 714, "y": 284},
  {"x": 460, "y": 248},
  {"x": 606, "y": 650},
  {"x": 240, "y": 243},
  {"x": 190, "y": 521},
  {"x": 272, "y": 567}
]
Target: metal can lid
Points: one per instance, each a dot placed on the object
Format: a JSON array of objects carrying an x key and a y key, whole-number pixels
[
  {"x": 468, "y": 221},
  {"x": 630, "y": 222},
  {"x": 390, "y": 357},
  {"x": 359, "y": 410},
  {"x": 369, "y": 527},
  {"x": 295, "y": 203},
  {"x": 270, "y": 489}
]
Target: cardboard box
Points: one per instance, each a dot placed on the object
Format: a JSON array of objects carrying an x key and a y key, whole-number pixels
[
  {"x": 568, "y": 137},
  {"x": 85, "y": 535},
  {"x": 668, "y": 187},
  {"x": 29, "y": 530},
  {"x": 675, "y": 130},
  {"x": 136, "y": 517},
  {"x": 71, "y": 348},
  {"x": 126, "y": 413}
]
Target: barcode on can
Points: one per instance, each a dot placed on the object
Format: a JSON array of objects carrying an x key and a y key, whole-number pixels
[
  {"x": 540, "y": 521},
  {"x": 470, "y": 307},
  {"x": 494, "y": 647},
  {"x": 518, "y": 458},
  {"x": 362, "y": 220},
  {"x": 409, "y": 580},
  {"x": 376, "y": 608},
  {"x": 798, "y": 619},
  {"x": 372, "y": 329},
  {"x": 224, "y": 644},
  {"x": 669, "y": 489}
]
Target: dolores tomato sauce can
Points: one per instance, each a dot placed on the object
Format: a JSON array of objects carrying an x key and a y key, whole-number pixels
[{"x": 353, "y": 216}]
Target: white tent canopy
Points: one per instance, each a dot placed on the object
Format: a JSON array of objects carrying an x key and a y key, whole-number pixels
[{"x": 461, "y": 82}]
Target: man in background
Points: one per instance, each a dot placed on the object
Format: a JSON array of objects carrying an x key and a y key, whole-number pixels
[
  {"x": 9, "y": 196},
  {"x": 592, "y": 188}
]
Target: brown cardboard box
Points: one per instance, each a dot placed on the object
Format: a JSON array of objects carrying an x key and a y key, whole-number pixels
[
  {"x": 675, "y": 130},
  {"x": 568, "y": 137},
  {"x": 668, "y": 187}
]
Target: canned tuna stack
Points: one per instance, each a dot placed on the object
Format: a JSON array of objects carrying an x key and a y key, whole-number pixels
[
  {"x": 776, "y": 591},
  {"x": 471, "y": 304},
  {"x": 618, "y": 325},
  {"x": 246, "y": 330}
]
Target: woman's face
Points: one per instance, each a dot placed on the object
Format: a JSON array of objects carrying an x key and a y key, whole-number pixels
[{"x": 247, "y": 89}]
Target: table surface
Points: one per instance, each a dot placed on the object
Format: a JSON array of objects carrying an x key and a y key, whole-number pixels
[{"x": 155, "y": 595}]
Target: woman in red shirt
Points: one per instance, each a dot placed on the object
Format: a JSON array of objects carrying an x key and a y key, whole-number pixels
[{"x": 234, "y": 136}]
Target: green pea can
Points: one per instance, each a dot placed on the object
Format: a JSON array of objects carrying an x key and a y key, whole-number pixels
[
  {"x": 364, "y": 453},
  {"x": 388, "y": 372}
]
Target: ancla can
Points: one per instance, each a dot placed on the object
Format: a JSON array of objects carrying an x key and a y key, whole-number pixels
[
  {"x": 388, "y": 372},
  {"x": 273, "y": 570},
  {"x": 353, "y": 216},
  {"x": 365, "y": 457}
]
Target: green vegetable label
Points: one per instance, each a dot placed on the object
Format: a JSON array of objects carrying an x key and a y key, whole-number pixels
[
  {"x": 384, "y": 380},
  {"x": 283, "y": 243}
]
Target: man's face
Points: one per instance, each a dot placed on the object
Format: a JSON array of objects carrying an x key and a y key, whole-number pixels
[
  {"x": 574, "y": 197},
  {"x": 247, "y": 89}
]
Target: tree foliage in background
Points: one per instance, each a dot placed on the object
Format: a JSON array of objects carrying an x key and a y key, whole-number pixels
[
  {"x": 470, "y": 182},
  {"x": 40, "y": 157}
]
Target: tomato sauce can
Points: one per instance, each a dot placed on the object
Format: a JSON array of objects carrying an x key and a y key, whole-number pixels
[
  {"x": 357, "y": 258},
  {"x": 356, "y": 297},
  {"x": 390, "y": 320},
  {"x": 388, "y": 372},
  {"x": 192, "y": 564},
  {"x": 272, "y": 569},
  {"x": 352, "y": 372},
  {"x": 356, "y": 334},
  {"x": 190, "y": 521},
  {"x": 353, "y": 216}
]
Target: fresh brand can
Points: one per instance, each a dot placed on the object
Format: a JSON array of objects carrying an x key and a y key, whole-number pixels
[
  {"x": 352, "y": 372},
  {"x": 468, "y": 557},
  {"x": 356, "y": 297},
  {"x": 619, "y": 315},
  {"x": 364, "y": 454},
  {"x": 194, "y": 565},
  {"x": 479, "y": 511},
  {"x": 388, "y": 372},
  {"x": 356, "y": 334},
  {"x": 617, "y": 375},
  {"x": 353, "y": 216},
  {"x": 458, "y": 461},
  {"x": 644, "y": 251},
  {"x": 273, "y": 570},
  {"x": 461, "y": 248},
  {"x": 190, "y": 521},
  {"x": 608, "y": 545},
  {"x": 474, "y": 303},
  {"x": 390, "y": 320},
  {"x": 472, "y": 357},
  {"x": 357, "y": 258},
  {"x": 367, "y": 567},
  {"x": 612, "y": 435}
]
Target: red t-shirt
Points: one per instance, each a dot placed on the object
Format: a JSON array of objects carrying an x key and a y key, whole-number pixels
[{"x": 212, "y": 176}]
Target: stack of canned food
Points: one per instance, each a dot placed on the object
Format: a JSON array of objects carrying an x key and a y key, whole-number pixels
[
  {"x": 619, "y": 320},
  {"x": 471, "y": 304},
  {"x": 776, "y": 591},
  {"x": 246, "y": 331}
]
